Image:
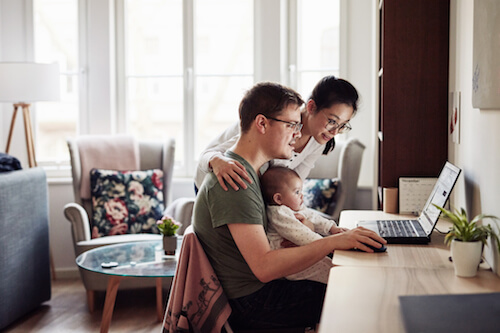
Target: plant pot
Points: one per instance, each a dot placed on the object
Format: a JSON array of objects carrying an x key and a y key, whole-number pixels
[
  {"x": 466, "y": 257},
  {"x": 170, "y": 244}
]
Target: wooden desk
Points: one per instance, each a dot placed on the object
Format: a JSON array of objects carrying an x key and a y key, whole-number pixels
[
  {"x": 365, "y": 299},
  {"x": 363, "y": 288}
]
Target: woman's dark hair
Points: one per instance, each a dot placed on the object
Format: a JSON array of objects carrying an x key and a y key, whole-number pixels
[{"x": 330, "y": 91}]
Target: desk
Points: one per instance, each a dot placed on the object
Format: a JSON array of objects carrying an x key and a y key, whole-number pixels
[
  {"x": 135, "y": 260},
  {"x": 363, "y": 288},
  {"x": 365, "y": 299}
]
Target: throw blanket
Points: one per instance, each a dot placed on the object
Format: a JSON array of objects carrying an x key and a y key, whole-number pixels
[
  {"x": 111, "y": 152},
  {"x": 9, "y": 163},
  {"x": 197, "y": 302}
]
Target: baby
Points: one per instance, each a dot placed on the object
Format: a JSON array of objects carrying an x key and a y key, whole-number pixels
[{"x": 288, "y": 219}]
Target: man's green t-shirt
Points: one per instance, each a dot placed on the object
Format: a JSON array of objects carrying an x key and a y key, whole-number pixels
[{"x": 214, "y": 209}]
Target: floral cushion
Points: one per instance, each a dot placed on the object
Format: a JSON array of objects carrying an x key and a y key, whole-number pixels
[
  {"x": 126, "y": 202},
  {"x": 319, "y": 194}
]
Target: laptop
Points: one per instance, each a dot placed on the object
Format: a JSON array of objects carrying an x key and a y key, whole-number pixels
[{"x": 418, "y": 231}]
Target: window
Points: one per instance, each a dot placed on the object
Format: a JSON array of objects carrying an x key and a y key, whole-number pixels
[
  {"x": 182, "y": 66},
  {"x": 314, "y": 52},
  {"x": 184, "y": 77},
  {"x": 56, "y": 40}
]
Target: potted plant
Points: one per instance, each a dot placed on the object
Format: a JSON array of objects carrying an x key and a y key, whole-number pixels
[
  {"x": 168, "y": 228},
  {"x": 467, "y": 239}
]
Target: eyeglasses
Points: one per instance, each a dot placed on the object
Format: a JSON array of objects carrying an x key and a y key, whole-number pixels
[
  {"x": 334, "y": 125},
  {"x": 295, "y": 126}
]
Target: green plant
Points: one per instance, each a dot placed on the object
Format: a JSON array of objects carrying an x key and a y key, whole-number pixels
[
  {"x": 167, "y": 226},
  {"x": 467, "y": 230}
]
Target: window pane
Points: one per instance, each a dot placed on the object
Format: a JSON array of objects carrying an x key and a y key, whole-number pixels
[
  {"x": 224, "y": 37},
  {"x": 154, "y": 82},
  {"x": 155, "y": 109},
  {"x": 223, "y": 64},
  {"x": 318, "y": 42},
  {"x": 153, "y": 31},
  {"x": 56, "y": 40},
  {"x": 217, "y": 104}
]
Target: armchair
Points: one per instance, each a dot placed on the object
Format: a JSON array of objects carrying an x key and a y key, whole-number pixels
[{"x": 151, "y": 155}]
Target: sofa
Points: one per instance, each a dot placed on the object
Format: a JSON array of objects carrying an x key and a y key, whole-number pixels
[{"x": 24, "y": 258}]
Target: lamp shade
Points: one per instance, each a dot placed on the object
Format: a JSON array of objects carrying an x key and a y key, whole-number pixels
[{"x": 28, "y": 82}]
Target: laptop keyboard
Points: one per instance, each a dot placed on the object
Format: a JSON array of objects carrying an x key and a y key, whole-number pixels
[{"x": 400, "y": 228}]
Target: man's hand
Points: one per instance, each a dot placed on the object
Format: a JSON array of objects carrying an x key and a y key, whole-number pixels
[
  {"x": 230, "y": 171},
  {"x": 357, "y": 238}
]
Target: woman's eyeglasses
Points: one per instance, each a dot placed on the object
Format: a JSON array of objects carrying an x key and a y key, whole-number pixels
[{"x": 334, "y": 125}]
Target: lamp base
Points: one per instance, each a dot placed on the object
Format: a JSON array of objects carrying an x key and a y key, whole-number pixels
[{"x": 28, "y": 132}]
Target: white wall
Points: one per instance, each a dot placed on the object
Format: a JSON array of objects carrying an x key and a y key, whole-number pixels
[{"x": 478, "y": 153}]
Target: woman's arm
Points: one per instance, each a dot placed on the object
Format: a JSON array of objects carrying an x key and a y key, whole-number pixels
[{"x": 213, "y": 159}]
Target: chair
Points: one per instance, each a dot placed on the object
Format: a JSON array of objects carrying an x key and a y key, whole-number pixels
[
  {"x": 344, "y": 164},
  {"x": 151, "y": 155},
  {"x": 197, "y": 302}
]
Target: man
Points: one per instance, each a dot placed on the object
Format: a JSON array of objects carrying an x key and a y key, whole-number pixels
[{"x": 231, "y": 225}]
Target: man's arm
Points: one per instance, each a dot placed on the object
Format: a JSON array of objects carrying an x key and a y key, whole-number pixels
[{"x": 268, "y": 265}]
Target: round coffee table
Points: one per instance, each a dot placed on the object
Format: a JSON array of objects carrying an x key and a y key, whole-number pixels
[{"x": 129, "y": 260}]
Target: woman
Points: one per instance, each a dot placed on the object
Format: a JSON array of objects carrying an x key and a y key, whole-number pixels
[{"x": 332, "y": 104}]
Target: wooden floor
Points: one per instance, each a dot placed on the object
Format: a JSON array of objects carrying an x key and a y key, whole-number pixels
[{"x": 135, "y": 311}]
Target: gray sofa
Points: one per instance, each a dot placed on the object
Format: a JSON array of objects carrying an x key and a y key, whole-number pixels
[{"x": 24, "y": 238}]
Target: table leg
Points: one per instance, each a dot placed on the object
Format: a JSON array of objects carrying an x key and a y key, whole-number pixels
[
  {"x": 159, "y": 298},
  {"x": 109, "y": 303}
]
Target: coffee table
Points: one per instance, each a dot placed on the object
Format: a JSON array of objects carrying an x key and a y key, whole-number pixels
[{"x": 130, "y": 260}]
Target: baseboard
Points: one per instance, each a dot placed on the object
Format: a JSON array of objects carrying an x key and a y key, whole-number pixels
[{"x": 67, "y": 273}]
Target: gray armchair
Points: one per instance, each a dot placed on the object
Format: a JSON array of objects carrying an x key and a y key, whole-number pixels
[
  {"x": 152, "y": 155},
  {"x": 343, "y": 163}
]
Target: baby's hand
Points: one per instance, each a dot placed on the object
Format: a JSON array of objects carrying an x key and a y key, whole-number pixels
[
  {"x": 337, "y": 230},
  {"x": 304, "y": 221}
]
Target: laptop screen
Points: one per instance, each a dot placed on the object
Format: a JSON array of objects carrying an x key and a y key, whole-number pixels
[{"x": 439, "y": 195}]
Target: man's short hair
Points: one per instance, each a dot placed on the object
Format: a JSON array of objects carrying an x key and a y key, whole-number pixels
[
  {"x": 266, "y": 98},
  {"x": 274, "y": 180}
]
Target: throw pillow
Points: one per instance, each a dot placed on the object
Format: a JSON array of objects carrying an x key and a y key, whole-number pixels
[
  {"x": 319, "y": 194},
  {"x": 126, "y": 202}
]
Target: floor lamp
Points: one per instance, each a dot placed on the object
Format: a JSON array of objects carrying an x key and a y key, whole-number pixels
[{"x": 22, "y": 84}]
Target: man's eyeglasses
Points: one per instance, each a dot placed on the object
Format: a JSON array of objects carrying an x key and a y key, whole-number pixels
[
  {"x": 334, "y": 125},
  {"x": 295, "y": 126}
]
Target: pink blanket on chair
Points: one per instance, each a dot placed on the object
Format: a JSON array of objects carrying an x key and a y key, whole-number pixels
[
  {"x": 197, "y": 302},
  {"x": 113, "y": 152}
]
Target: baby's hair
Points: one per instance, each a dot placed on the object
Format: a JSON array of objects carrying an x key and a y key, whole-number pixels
[{"x": 273, "y": 180}]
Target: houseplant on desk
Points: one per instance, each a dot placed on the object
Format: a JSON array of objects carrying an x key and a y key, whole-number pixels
[
  {"x": 168, "y": 228},
  {"x": 467, "y": 239}
]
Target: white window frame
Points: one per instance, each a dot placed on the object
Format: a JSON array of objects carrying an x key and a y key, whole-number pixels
[{"x": 101, "y": 76}]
